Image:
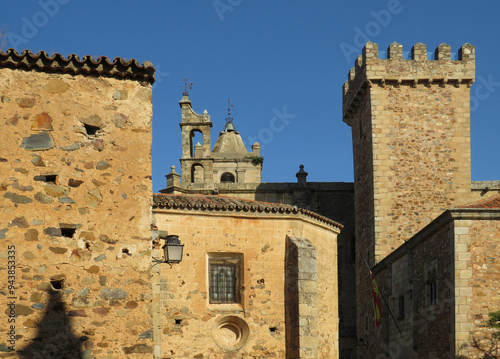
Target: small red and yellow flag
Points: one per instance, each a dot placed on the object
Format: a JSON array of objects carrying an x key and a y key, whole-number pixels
[{"x": 377, "y": 306}]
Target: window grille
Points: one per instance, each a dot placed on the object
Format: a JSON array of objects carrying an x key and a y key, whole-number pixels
[{"x": 223, "y": 278}]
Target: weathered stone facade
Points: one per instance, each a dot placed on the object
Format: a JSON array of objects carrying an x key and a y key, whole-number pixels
[
  {"x": 204, "y": 170},
  {"x": 75, "y": 202},
  {"x": 460, "y": 249},
  {"x": 411, "y": 137},
  {"x": 334, "y": 200},
  {"x": 264, "y": 237}
]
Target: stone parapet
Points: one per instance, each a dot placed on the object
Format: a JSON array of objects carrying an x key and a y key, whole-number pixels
[{"x": 369, "y": 70}]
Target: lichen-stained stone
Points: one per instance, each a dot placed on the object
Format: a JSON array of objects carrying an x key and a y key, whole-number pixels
[
  {"x": 56, "y": 190},
  {"x": 98, "y": 144},
  {"x": 25, "y": 102},
  {"x": 74, "y": 182},
  {"x": 120, "y": 95},
  {"x": 38, "y": 306},
  {"x": 113, "y": 293},
  {"x": 29, "y": 255},
  {"x": 2, "y": 233},
  {"x": 102, "y": 165},
  {"x": 87, "y": 236},
  {"x": 119, "y": 120},
  {"x": 21, "y": 310},
  {"x": 93, "y": 120},
  {"x": 38, "y": 161},
  {"x": 15, "y": 198},
  {"x": 13, "y": 120},
  {"x": 31, "y": 235},
  {"x": 42, "y": 198},
  {"x": 101, "y": 311},
  {"x": 137, "y": 349},
  {"x": 20, "y": 222},
  {"x": 66, "y": 200},
  {"x": 80, "y": 255},
  {"x": 42, "y": 122},
  {"x": 56, "y": 86},
  {"x": 52, "y": 231},
  {"x": 75, "y": 146},
  {"x": 93, "y": 198},
  {"x": 38, "y": 142},
  {"x": 58, "y": 250},
  {"x": 81, "y": 302},
  {"x": 93, "y": 269}
]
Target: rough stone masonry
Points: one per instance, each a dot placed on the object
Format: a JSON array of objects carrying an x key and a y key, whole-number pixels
[{"x": 75, "y": 204}]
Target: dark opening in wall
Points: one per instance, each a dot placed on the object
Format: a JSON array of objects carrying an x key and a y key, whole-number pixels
[
  {"x": 125, "y": 251},
  {"x": 273, "y": 329},
  {"x": 91, "y": 130},
  {"x": 57, "y": 283},
  {"x": 46, "y": 178},
  {"x": 178, "y": 321},
  {"x": 87, "y": 245},
  {"x": 68, "y": 232}
]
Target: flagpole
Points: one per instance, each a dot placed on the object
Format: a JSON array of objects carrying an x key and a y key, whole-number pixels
[{"x": 385, "y": 301}]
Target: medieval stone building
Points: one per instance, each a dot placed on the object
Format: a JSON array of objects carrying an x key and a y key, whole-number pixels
[
  {"x": 75, "y": 206},
  {"x": 276, "y": 270}
]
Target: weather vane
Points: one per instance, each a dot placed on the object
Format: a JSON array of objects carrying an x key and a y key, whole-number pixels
[
  {"x": 188, "y": 85},
  {"x": 229, "y": 105}
]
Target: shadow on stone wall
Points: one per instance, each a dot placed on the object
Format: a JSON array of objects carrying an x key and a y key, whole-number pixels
[{"x": 55, "y": 338}]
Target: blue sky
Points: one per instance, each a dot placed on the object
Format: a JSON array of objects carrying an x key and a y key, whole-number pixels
[{"x": 279, "y": 63}]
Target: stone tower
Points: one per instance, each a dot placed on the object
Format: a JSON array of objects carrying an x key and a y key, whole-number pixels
[
  {"x": 410, "y": 123},
  {"x": 227, "y": 166}
]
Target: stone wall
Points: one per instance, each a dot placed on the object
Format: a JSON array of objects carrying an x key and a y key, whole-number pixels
[
  {"x": 478, "y": 280},
  {"x": 417, "y": 327},
  {"x": 334, "y": 200},
  {"x": 194, "y": 327},
  {"x": 460, "y": 247},
  {"x": 75, "y": 199}
]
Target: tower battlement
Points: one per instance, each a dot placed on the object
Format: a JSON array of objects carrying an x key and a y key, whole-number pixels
[{"x": 395, "y": 71}]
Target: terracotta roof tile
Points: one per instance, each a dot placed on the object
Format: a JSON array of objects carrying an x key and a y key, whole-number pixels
[
  {"x": 196, "y": 202},
  {"x": 490, "y": 202},
  {"x": 119, "y": 68}
]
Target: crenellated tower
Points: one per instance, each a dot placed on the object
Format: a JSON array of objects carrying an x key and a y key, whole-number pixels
[{"x": 410, "y": 121}]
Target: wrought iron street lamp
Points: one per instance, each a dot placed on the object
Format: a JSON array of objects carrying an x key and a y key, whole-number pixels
[{"x": 172, "y": 250}]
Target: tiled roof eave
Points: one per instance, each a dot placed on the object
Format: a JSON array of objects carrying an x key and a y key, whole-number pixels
[
  {"x": 118, "y": 68},
  {"x": 221, "y": 203}
]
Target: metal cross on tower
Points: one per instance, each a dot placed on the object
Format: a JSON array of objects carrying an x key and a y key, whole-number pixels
[{"x": 229, "y": 105}]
